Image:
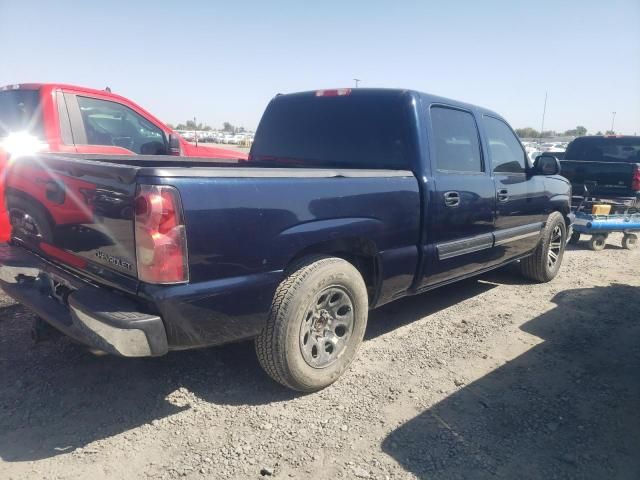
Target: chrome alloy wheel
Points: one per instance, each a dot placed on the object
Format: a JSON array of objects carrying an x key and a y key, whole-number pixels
[
  {"x": 555, "y": 247},
  {"x": 327, "y": 326}
]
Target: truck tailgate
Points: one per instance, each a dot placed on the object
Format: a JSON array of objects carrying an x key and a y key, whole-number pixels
[
  {"x": 76, "y": 213},
  {"x": 601, "y": 178}
]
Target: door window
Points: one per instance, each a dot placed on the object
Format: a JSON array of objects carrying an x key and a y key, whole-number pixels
[
  {"x": 455, "y": 138},
  {"x": 507, "y": 155},
  {"x": 113, "y": 124}
]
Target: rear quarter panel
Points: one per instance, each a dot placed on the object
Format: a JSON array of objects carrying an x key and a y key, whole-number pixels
[{"x": 237, "y": 226}]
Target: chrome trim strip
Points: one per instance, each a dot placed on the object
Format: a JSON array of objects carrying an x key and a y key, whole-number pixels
[
  {"x": 466, "y": 245},
  {"x": 517, "y": 237},
  {"x": 513, "y": 234}
]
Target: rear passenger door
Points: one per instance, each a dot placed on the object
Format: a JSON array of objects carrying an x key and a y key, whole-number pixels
[
  {"x": 521, "y": 197},
  {"x": 462, "y": 202}
]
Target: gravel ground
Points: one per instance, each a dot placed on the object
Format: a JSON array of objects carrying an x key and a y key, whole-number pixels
[{"x": 492, "y": 377}]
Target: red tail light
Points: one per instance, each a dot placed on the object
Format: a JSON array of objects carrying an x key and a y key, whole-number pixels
[
  {"x": 635, "y": 183},
  {"x": 161, "y": 243}
]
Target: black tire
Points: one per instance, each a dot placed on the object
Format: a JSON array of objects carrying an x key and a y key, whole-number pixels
[
  {"x": 597, "y": 242},
  {"x": 537, "y": 266},
  {"x": 30, "y": 219},
  {"x": 279, "y": 346},
  {"x": 574, "y": 238},
  {"x": 630, "y": 241}
]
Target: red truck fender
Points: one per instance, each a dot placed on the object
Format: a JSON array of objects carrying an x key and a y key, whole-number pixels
[{"x": 5, "y": 227}]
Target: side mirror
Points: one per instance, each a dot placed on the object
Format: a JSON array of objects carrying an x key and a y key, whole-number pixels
[
  {"x": 174, "y": 144},
  {"x": 546, "y": 165}
]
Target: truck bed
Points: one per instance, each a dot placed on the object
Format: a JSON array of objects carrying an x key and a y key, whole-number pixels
[{"x": 83, "y": 207}]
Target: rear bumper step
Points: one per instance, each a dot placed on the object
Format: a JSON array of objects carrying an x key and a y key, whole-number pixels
[{"x": 91, "y": 315}]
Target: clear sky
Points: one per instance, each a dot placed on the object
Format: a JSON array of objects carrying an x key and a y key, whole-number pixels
[{"x": 223, "y": 61}]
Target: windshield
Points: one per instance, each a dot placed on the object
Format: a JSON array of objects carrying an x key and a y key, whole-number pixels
[
  {"x": 20, "y": 112},
  {"x": 350, "y": 131},
  {"x": 603, "y": 149}
]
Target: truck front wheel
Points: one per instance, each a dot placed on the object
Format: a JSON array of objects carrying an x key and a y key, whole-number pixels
[
  {"x": 545, "y": 262},
  {"x": 316, "y": 324}
]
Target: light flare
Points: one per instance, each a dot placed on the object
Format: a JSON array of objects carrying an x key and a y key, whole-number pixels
[{"x": 22, "y": 144}]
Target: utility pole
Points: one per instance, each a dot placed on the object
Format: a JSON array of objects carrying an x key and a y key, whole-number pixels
[
  {"x": 357, "y": 80},
  {"x": 613, "y": 119},
  {"x": 544, "y": 111},
  {"x": 195, "y": 130}
]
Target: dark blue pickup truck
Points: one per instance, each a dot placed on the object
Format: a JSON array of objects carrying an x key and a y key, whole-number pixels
[
  {"x": 349, "y": 199},
  {"x": 608, "y": 167}
]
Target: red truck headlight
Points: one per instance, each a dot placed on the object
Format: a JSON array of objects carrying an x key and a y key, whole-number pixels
[{"x": 161, "y": 243}]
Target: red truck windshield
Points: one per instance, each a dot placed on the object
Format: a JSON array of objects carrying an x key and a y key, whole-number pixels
[
  {"x": 350, "y": 131},
  {"x": 20, "y": 112}
]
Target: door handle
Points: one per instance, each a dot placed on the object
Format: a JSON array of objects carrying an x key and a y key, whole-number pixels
[
  {"x": 452, "y": 199},
  {"x": 503, "y": 195}
]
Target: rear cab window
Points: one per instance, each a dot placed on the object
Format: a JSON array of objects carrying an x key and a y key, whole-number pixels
[
  {"x": 455, "y": 140},
  {"x": 605, "y": 149},
  {"x": 353, "y": 130},
  {"x": 20, "y": 112}
]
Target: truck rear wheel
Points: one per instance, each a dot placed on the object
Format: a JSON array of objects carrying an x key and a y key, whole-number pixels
[
  {"x": 545, "y": 262},
  {"x": 316, "y": 324}
]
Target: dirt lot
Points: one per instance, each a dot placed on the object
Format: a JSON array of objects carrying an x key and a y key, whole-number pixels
[{"x": 490, "y": 378}]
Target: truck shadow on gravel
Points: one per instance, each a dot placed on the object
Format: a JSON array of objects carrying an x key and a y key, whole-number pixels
[
  {"x": 567, "y": 408},
  {"x": 409, "y": 309},
  {"x": 56, "y": 397}
]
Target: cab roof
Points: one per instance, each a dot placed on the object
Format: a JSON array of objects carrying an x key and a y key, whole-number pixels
[
  {"x": 62, "y": 86},
  {"x": 425, "y": 98}
]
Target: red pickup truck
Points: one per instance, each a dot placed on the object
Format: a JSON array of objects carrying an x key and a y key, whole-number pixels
[{"x": 65, "y": 118}]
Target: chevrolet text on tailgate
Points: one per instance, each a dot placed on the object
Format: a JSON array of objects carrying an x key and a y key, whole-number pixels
[{"x": 349, "y": 199}]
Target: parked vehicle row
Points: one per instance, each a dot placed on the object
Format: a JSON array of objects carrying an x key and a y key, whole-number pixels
[
  {"x": 349, "y": 199},
  {"x": 535, "y": 149},
  {"x": 211, "y": 136}
]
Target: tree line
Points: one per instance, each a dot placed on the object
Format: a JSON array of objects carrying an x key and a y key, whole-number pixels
[
  {"x": 579, "y": 131},
  {"x": 192, "y": 125}
]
